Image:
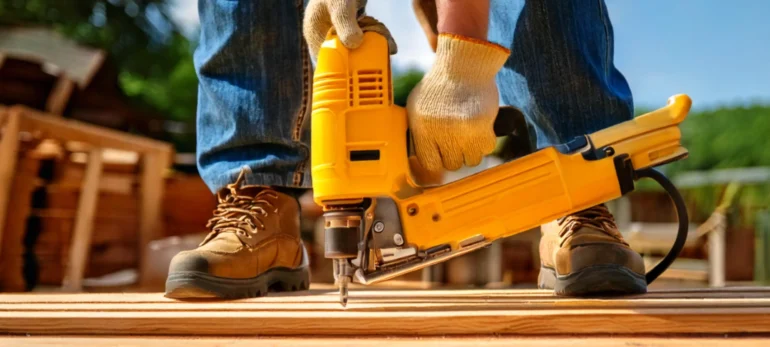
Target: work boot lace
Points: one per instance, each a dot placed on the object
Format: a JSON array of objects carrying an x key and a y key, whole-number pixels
[
  {"x": 241, "y": 214},
  {"x": 597, "y": 218}
]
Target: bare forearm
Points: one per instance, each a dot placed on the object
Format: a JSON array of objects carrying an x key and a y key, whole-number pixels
[{"x": 468, "y": 18}]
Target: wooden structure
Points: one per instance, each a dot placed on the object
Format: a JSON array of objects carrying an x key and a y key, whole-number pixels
[
  {"x": 156, "y": 157},
  {"x": 46, "y": 71},
  {"x": 451, "y": 316},
  {"x": 657, "y": 237}
]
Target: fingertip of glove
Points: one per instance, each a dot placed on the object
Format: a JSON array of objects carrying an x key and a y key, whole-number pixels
[
  {"x": 453, "y": 162},
  {"x": 393, "y": 49},
  {"x": 423, "y": 176},
  {"x": 489, "y": 145},
  {"x": 352, "y": 38},
  {"x": 474, "y": 159},
  {"x": 428, "y": 160}
]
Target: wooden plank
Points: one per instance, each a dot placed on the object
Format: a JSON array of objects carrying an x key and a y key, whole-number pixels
[
  {"x": 9, "y": 146},
  {"x": 681, "y": 269},
  {"x": 762, "y": 248},
  {"x": 400, "y": 313},
  {"x": 60, "y": 95},
  {"x": 67, "y": 129},
  {"x": 362, "y": 293},
  {"x": 390, "y": 306},
  {"x": 717, "y": 244},
  {"x": 437, "y": 323},
  {"x": 80, "y": 245},
  {"x": 375, "y": 300},
  {"x": 656, "y": 237},
  {"x": 25, "y": 181},
  {"x": 558, "y": 341},
  {"x": 151, "y": 195}
]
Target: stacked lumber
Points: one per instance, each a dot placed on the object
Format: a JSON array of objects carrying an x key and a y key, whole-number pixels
[
  {"x": 114, "y": 240},
  {"x": 397, "y": 313},
  {"x": 187, "y": 205},
  {"x": 40, "y": 226}
]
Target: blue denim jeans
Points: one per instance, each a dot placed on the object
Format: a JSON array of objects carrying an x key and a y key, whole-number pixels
[{"x": 255, "y": 81}]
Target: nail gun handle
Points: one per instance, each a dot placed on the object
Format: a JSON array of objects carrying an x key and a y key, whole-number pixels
[{"x": 510, "y": 120}]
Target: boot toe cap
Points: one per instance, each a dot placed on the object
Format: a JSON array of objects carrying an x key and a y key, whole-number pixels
[
  {"x": 597, "y": 255},
  {"x": 188, "y": 261}
]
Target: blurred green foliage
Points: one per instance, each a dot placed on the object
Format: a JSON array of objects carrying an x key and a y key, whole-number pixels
[
  {"x": 403, "y": 83},
  {"x": 731, "y": 137},
  {"x": 722, "y": 138}
]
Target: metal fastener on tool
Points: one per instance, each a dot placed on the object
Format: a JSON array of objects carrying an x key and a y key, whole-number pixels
[
  {"x": 398, "y": 240},
  {"x": 379, "y": 226}
]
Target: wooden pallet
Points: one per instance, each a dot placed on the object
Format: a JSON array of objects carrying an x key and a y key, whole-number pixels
[{"x": 400, "y": 313}]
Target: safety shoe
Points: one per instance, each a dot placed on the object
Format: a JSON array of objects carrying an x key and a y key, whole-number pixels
[
  {"x": 254, "y": 247},
  {"x": 585, "y": 254}
]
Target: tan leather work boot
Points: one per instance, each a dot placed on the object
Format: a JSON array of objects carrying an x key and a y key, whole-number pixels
[
  {"x": 585, "y": 254},
  {"x": 254, "y": 247}
]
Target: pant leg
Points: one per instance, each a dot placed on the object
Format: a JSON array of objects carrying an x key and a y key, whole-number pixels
[
  {"x": 254, "y": 93},
  {"x": 561, "y": 71}
]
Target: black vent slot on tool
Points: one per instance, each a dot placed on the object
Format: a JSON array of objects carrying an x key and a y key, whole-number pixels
[
  {"x": 370, "y": 87},
  {"x": 373, "y": 154}
]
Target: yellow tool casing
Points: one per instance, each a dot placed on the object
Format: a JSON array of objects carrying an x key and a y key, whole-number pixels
[
  {"x": 353, "y": 115},
  {"x": 359, "y": 151}
]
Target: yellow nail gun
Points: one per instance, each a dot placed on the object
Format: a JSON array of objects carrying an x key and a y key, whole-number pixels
[{"x": 380, "y": 224}]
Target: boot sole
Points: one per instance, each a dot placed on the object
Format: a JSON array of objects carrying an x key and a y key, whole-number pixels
[
  {"x": 200, "y": 285},
  {"x": 608, "y": 279}
]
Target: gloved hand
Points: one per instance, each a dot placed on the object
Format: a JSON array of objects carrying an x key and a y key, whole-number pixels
[
  {"x": 346, "y": 18},
  {"x": 452, "y": 110}
]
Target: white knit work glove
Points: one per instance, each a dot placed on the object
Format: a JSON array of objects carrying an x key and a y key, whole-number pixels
[
  {"x": 452, "y": 110},
  {"x": 343, "y": 17}
]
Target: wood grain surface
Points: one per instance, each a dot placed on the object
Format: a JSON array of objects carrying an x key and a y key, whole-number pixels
[
  {"x": 393, "y": 313},
  {"x": 595, "y": 341}
]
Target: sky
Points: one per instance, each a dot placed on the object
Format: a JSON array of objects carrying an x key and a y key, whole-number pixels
[{"x": 716, "y": 51}]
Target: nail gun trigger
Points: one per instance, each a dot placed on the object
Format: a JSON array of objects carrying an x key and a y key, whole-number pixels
[{"x": 624, "y": 170}]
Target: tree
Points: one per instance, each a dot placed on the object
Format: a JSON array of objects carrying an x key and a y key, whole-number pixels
[
  {"x": 403, "y": 83},
  {"x": 722, "y": 138},
  {"x": 725, "y": 138}
]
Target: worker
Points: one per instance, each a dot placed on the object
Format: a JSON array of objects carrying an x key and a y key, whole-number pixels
[{"x": 551, "y": 59}]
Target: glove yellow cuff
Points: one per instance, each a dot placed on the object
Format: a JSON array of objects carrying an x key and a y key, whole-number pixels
[{"x": 467, "y": 59}]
